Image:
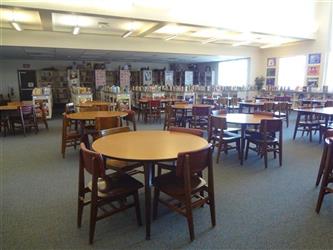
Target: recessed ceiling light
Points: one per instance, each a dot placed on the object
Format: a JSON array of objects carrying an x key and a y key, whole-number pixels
[{"x": 16, "y": 26}]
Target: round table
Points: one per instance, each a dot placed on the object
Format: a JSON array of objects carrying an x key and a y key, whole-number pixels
[
  {"x": 147, "y": 147},
  {"x": 91, "y": 115},
  {"x": 244, "y": 120}
]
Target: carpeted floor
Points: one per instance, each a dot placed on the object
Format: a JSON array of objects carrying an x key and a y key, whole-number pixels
[{"x": 257, "y": 208}]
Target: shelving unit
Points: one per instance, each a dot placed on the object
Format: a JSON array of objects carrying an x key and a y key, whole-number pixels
[{"x": 43, "y": 96}]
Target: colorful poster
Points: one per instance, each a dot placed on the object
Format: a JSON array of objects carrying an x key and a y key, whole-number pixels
[
  {"x": 270, "y": 72},
  {"x": 73, "y": 76},
  {"x": 124, "y": 78},
  {"x": 188, "y": 77},
  {"x": 314, "y": 58},
  {"x": 147, "y": 77},
  {"x": 312, "y": 82},
  {"x": 271, "y": 62},
  {"x": 100, "y": 78},
  {"x": 168, "y": 77},
  {"x": 313, "y": 70}
]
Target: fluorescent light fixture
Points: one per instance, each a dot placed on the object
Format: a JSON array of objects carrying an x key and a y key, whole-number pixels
[
  {"x": 172, "y": 29},
  {"x": 170, "y": 37},
  {"x": 272, "y": 45},
  {"x": 16, "y": 26},
  {"x": 127, "y": 33},
  {"x": 76, "y": 30},
  {"x": 241, "y": 43},
  {"x": 209, "y": 40}
]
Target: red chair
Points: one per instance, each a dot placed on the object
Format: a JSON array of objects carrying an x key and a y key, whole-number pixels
[
  {"x": 104, "y": 189},
  {"x": 154, "y": 110}
]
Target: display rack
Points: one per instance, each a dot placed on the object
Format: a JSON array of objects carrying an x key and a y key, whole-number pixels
[
  {"x": 81, "y": 94},
  {"x": 42, "y": 99}
]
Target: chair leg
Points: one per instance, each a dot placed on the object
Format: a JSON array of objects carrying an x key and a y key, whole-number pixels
[
  {"x": 93, "y": 217},
  {"x": 320, "y": 200},
  {"x": 247, "y": 149},
  {"x": 79, "y": 212},
  {"x": 63, "y": 148},
  {"x": 219, "y": 149},
  {"x": 212, "y": 208},
  {"x": 155, "y": 202},
  {"x": 189, "y": 217},
  {"x": 238, "y": 149},
  {"x": 265, "y": 156},
  {"x": 137, "y": 208}
]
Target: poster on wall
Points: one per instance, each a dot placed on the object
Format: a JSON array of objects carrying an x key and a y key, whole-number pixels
[
  {"x": 271, "y": 72},
  {"x": 312, "y": 82},
  {"x": 313, "y": 70},
  {"x": 188, "y": 77},
  {"x": 100, "y": 78},
  {"x": 168, "y": 75},
  {"x": 270, "y": 81},
  {"x": 147, "y": 77},
  {"x": 124, "y": 78},
  {"x": 73, "y": 77},
  {"x": 271, "y": 62},
  {"x": 314, "y": 58}
]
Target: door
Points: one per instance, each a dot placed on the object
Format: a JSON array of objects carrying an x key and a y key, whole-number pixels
[{"x": 27, "y": 82}]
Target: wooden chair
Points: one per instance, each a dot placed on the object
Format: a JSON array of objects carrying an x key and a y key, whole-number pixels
[
  {"x": 329, "y": 103},
  {"x": 327, "y": 174},
  {"x": 106, "y": 122},
  {"x": 221, "y": 138},
  {"x": 113, "y": 189},
  {"x": 200, "y": 117},
  {"x": 233, "y": 105},
  {"x": 4, "y": 123},
  {"x": 154, "y": 110},
  {"x": 224, "y": 112},
  {"x": 128, "y": 167},
  {"x": 103, "y": 107},
  {"x": 169, "y": 118},
  {"x": 255, "y": 128},
  {"x": 328, "y": 133},
  {"x": 41, "y": 112},
  {"x": 307, "y": 123},
  {"x": 281, "y": 110},
  {"x": 266, "y": 140},
  {"x": 130, "y": 118},
  {"x": 70, "y": 138},
  {"x": 268, "y": 107},
  {"x": 25, "y": 119},
  {"x": 186, "y": 187}
]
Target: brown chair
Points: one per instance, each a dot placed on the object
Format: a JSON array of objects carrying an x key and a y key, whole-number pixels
[
  {"x": 307, "y": 123},
  {"x": 255, "y": 128},
  {"x": 329, "y": 103},
  {"x": 328, "y": 133},
  {"x": 224, "y": 112},
  {"x": 169, "y": 118},
  {"x": 70, "y": 138},
  {"x": 281, "y": 110},
  {"x": 200, "y": 116},
  {"x": 113, "y": 189},
  {"x": 233, "y": 105},
  {"x": 4, "y": 123},
  {"x": 221, "y": 138},
  {"x": 327, "y": 173},
  {"x": 268, "y": 107},
  {"x": 106, "y": 122},
  {"x": 130, "y": 118},
  {"x": 119, "y": 165},
  {"x": 25, "y": 119},
  {"x": 154, "y": 110},
  {"x": 41, "y": 111},
  {"x": 266, "y": 139},
  {"x": 186, "y": 187},
  {"x": 103, "y": 107}
]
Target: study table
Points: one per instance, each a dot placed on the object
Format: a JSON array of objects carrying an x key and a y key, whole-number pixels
[
  {"x": 147, "y": 147},
  {"x": 244, "y": 120}
]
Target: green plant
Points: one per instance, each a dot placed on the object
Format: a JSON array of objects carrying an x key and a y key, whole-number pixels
[{"x": 259, "y": 82}]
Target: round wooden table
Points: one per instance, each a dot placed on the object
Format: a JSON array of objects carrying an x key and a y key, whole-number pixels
[
  {"x": 91, "y": 115},
  {"x": 8, "y": 107},
  {"x": 244, "y": 120},
  {"x": 147, "y": 147}
]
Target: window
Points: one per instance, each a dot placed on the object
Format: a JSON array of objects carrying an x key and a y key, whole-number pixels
[
  {"x": 329, "y": 68},
  {"x": 233, "y": 73},
  {"x": 292, "y": 71}
]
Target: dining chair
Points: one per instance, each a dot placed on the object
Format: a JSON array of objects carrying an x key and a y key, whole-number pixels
[
  {"x": 154, "y": 110},
  {"x": 121, "y": 166},
  {"x": 255, "y": 128},
  {"x": 281, "y": 110},
  {"x": 221, "y": 138},
  {"x": 24, "y": 119},
  {"x": 70, "y": 137},
  {"x": 225, "y": 112},
  {"x": 266, "y": 140},
  {"x": 112, "y": 189},
  {"x": 200, "y": 116},
  {"x": 186, "y": 187},
  {"x": 327, "y": 174},
  {"x": 130, "y": 118},
  {"x": 307, "y": 123},
  {"x": 170, "y": 118},
  {"x": 233, "y": 105},
  {"x": 268, "y": 107},
  {"x": 106, "y": 122},
  {"x": 103, "y": 107},
  {"x": 329, "y": 103}
]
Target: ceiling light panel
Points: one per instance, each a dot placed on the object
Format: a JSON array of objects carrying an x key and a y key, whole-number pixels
[
  {"x": 72, "y": 20},
  {"x": 20, "y": 16},
  {"x": 173, "y": 29}
]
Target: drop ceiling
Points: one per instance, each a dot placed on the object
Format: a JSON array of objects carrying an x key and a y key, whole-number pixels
[{"x": 29, "y": 53}]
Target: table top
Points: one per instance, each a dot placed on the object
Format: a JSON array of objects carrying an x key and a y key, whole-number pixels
[
  {"x": 248, "y": 119},
  {"x": 143, "y": 100},
  {"x": 91, "y": 115},
  {"x": 8, "y": 107},
  {"x": 147, "y": 145},
  {"x": 89, "y": 104},
  {"x": 323, "y": 111},
  {"x": 190, "y": 106}
]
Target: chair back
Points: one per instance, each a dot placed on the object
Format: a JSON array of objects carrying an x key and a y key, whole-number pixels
[
  {"x": 180, "y": 102},
  {"x": 92, "y": 162},
  {"x": 329, "y": 104},
  {"x": 192, "y": 131},
  {"x": 106, "y": 122},
  {"x": 130, "y": 118},
  {"x": 222, "y": 102},
  {"x": 103, "y": 107},
  {"x": 112, "y": 131},
  {"x": 270, "y": 126},
  {"x": 200, "y": 111},
  {"x": 27, "y": 110},
  {"x": 154, "y": 104},
  {"x": 197, "y": 161},
  {"x": 65, "y": 125},
  {"x": 69, "y": 108},
  {"x": 220, "y": 112},
  {"x": 265, "y": 113},
  {"x": 216, "y": 126},
  {"x": 268, "y": 106},
  {"x": 281, "y": 107}
]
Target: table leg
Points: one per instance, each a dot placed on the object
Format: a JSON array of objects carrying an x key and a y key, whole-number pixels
[
  {"x": 243, "y": 127},
  {"x": 148, "y": 183}
]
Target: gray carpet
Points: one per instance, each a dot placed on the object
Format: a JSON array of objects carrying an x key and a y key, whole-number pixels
[{"x": 257, "y": 208}]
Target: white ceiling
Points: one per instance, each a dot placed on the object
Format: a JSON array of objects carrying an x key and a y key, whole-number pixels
[{"x": 29, "y": 53}]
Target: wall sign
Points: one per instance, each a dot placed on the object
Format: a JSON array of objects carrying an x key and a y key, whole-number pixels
[{"x": 314, "y": 58}]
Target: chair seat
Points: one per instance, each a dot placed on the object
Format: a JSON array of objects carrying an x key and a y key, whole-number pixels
[
  {"x": 119, "y": 165},
  {"x": 116, "y": 185},
  {"x": 73, "y": 134},
  {"x": 232, "y": 130},
  {"x": 258, "y": 137},
  {"x": 174, "y": 186}
]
